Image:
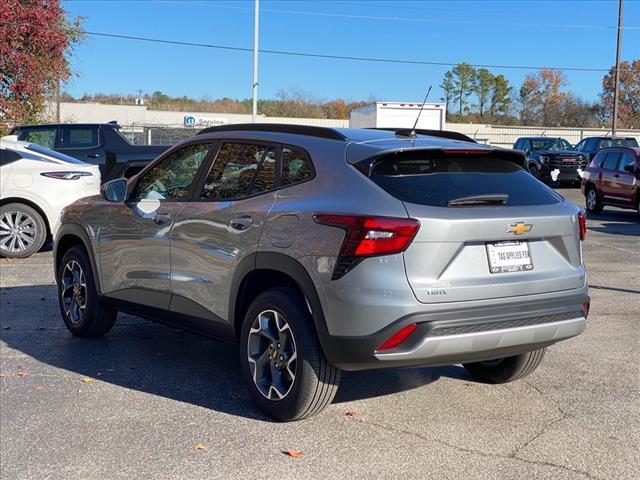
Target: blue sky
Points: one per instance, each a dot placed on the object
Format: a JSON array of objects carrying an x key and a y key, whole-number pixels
[{"x": 530, "y": 33}]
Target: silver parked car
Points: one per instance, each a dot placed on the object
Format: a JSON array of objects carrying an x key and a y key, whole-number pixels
[{"x": 320, "y": 249}]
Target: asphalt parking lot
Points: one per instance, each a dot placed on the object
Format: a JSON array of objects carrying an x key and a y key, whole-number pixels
[{"x": 148, "y": 401}]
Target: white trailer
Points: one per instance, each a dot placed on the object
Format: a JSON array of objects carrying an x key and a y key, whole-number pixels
[{"x": 399, "y": 115}]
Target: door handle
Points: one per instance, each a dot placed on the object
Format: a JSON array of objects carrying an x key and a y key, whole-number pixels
[
  {"x": 161, "y": 218},
  {"x": 92, "y": 155},
  {"x": 241, "y": 223}
]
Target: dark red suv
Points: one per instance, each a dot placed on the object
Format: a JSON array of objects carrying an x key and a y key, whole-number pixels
[{"x": 613, "y": 178}]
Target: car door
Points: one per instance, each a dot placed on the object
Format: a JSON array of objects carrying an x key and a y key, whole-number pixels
[
  {"x": 624, "y": 185},
  {"x": 220, "y": 227},
  {"x": 134, "y": 240},
  {"x": 83, "y": 142},
  {"x": 609, "y": 170}
]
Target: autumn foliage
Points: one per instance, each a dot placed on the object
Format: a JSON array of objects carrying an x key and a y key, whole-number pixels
[{"x": 34, "y": 38}]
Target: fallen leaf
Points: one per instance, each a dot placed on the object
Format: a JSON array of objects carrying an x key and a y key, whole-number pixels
[
  {"x": 2, "y": 375},
  {"x": 467, "y": 384},
  {"x": 6, "y": 327},
  {"x": 200, "y": 446},
  {"x": 351, "y": 413},
  {"x": 22, "y": 373},
  {"x": 87, "y": 380},
  {"x": 293, "y": 453},
  {"x": 38, "y": 388}
]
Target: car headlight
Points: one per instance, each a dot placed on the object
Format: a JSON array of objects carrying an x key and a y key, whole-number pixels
[
  {"x": 66, "y": 175},
  {"x": 544, "y": 159}
]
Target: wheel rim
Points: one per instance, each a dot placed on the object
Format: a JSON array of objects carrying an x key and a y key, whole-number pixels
[
  {"x": 74, "y": 292},
  {"x": 18, "y": 231},
  {"x": 591, "y": 199},
  {"x": 272, "y": 355}
]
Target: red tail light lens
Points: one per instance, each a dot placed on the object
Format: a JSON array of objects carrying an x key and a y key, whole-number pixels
[
  {"x": 370, "y": 236},
  {"x": 585, "y": 309},
  {"x": 397, "y": 338},
  {"x": 582, "y": 220}
]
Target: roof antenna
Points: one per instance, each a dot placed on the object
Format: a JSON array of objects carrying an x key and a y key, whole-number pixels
[{"x": 404, "y": 132}]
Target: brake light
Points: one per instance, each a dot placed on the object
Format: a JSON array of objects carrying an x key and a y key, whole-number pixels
[
  {"x": 397, "y": 338},
  {"x": 585, "y": 309},
  {"x": 371, "y": 236},
  {"x": 66, "y": 175},
  {"x": 582, "y": 221}
]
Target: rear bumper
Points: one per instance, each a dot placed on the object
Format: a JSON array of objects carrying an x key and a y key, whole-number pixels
[{"x": 464, "y": 335}]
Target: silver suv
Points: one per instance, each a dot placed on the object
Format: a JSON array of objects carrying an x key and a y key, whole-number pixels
[{"x": 319, "y": 250}]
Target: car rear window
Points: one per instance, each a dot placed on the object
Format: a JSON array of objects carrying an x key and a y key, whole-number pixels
[{"x": 437, "y": 179}]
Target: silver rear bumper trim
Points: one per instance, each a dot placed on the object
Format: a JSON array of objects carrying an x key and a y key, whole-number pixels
[{"x": 493, "y": 340}]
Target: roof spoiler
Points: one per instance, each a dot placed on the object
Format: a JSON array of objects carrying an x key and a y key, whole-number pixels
[
  {"x": 432, "y": 133},
  {"x": 308, "y": 130}
]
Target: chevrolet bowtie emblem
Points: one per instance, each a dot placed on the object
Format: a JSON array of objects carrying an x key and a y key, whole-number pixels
[{"x": 519, "y": 228}]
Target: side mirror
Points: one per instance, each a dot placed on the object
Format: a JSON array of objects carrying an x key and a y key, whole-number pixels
[
  {"x": 115, "y": 190},
  {"x": 631, "y": 168},
  {"x": 527, "y": 151}
]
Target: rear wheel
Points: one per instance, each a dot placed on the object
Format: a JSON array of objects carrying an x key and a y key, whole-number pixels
[
  {"x": 281, "y": 357},
  {"x": 22, "y": 230},
  {"x": 503, "y": 370},
  {"x": 592, "y": 202},
  {"x": 84, "y": 314}
]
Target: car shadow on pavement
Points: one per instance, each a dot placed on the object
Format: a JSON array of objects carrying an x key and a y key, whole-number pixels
[{"x": 159, "y": 360}]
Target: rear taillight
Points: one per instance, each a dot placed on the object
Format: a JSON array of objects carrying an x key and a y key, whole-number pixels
[
  {"x": 66, "y": 175},
  {"x": 368, "y": 237},
  {"x": 397, "y": 338},
  {"x": 582, "y": 221},
  {"x": 585, "y": 309}
]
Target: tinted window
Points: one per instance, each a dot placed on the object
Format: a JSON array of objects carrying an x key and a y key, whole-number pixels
[
  {"x": 551, "y": 144},
  {"x": 627, "y": 159},
  {"x": 80, "y": 137},
  {"x": 240, "y": 170},
  {"x": 591, "y": 145},
  {"x": 434, "y": 180},
  {"x": 296, "y": 166},
  {"x": 54, "y": 154},
  {"x": 599, "y": 159},
  {"x": 8, "y": 156},
  {"x": 41, "y": 136},
  {"x": 171, "y": 179},
  {"x": 526, "y": 145},
  {"x": 611, "y": 160},
  {"x": 580, "y": 145}
]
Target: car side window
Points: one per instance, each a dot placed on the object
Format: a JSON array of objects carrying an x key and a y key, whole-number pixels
[
  {"x": 591, "y": 145},
  {"x": 599, "y": 159},
  {"x": 611, "y": 161},
  {"x": 296, "y": 166},
  {"x": 627, "y": 159},
  {"x": 172, "y": 177},
  {"x": 518, "y": 145},
  {"x": 580, "y": 145},
  {"x": 526, "y": 145},
  {"x": 240, "y": 170},
  {"x": 40, "y": 136},
  {"x": 80, "y": 137}
]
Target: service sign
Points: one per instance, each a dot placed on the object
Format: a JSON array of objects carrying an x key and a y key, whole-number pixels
[{"x": 194, "y": 121}]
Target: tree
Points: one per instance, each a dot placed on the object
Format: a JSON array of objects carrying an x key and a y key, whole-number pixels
[
  {"x": 500, "y": 102},
  {"x": 447, "y": 88},
  {"x": 541, "y": 98},
  {"x": 628, "y": 94},
  {"x": 483, "y": 85},
  {"x": 35, "y": 40},
  {"x": 462, "y": 76}
]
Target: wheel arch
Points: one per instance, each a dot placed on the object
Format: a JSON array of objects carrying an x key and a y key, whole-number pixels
[
  {"x": 32, "y": 204},
  {"x": 264, "y": 270},
  {"x": 70, "y": 235}
]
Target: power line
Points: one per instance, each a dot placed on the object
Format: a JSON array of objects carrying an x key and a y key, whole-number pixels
[{"x": 328, "y": 56}]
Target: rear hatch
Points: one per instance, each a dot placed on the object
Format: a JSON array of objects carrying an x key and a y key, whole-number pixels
[{"x": 488, "y": 228}]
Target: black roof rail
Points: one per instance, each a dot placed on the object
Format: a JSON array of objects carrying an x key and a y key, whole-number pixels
[
  {"x": 434, "y": 133},
  {"x": 308, "y": 130}
]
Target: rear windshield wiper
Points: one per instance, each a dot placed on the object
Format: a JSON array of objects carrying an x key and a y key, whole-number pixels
[{"x": 479, "y": 200}]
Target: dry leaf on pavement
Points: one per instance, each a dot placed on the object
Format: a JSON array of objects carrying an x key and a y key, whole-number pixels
[
  {"x": 38, "y": 388},
  {"x": 293, "y": 453},
  {"x": 351, "y": 413},
  {"x": 200, "y": 446},
  {"x": 87, "y": 380},
  {"x": 22, "y": 373}
]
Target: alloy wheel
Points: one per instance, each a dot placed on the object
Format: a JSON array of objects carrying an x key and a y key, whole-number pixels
[
  {"x": 18, "y": 231},
  {"x": 272, "y": 355},
  {"x": 592, "y": 199},
  {"x": 74, "y": 292}
]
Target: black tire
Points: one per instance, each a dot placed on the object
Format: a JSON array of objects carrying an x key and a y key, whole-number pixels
[
  {"x": 96, "y": 318},
  {"x": 35, "y": 237},
  {"x": 596, "y": 205},
  {"x": 507, "y": 369},
  {"x": 315, "y": 382},
  {"x": 534, "y": 171}
]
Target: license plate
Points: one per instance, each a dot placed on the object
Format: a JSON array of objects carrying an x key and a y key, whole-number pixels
[{"x": 512, "y": 256}]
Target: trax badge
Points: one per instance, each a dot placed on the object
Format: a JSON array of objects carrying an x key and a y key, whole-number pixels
[{"x": 519, "y": 228}]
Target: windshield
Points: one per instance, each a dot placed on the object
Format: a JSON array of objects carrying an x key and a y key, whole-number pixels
[
  {"x": 618, "y": 142},
  {"x": 556, "y": 144},
  {"x": 52, "y": 153}
]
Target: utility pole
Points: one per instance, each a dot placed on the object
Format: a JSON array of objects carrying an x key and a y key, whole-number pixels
[
  {"x": 616, "y": 76},
  {"x": 256, "y": 25}
]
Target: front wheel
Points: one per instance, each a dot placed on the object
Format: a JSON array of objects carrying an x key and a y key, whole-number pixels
[
  {"x": 84, "y": 314},
  {"x": 592, "y": 202},
  {"x": 281, "y": 358},
  {"x": 504, "y": 370},
  {"x": 22, "y": 230}
]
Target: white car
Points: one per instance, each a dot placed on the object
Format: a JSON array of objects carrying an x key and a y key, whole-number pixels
[{"x": 35, "y": 185}]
